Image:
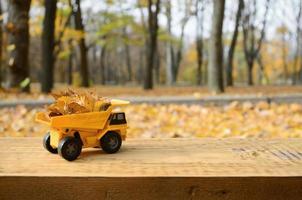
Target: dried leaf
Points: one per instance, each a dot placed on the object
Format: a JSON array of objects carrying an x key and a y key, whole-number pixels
[{"x": 70, "y": 102}]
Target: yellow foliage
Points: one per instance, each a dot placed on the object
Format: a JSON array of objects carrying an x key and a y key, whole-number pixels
[
  {"x": 73, "y": 34},
  {"x": 282, "y": 30},
  {"x": 11, "y": 47},
  {"x": 70, "y": 102},
  {"x": 242, "y": 120},
  {"x": 37, "y": 3},
  {"x": 77, "y": 79},
  {"x": 272, "y": 57},
  {"x": 191, "y": 55}
]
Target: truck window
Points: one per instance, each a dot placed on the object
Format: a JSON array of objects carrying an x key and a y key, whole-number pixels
[{"x": 118, "y": 118}]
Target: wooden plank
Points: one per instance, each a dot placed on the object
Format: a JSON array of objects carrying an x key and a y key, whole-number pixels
[
  {"x": 205, "y": 188},
  {"x": 155, "y": 169},
  {"x": 158, "y": 157}
]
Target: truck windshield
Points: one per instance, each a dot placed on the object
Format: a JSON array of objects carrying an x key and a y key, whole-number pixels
[{"x": 118, "y": 118}]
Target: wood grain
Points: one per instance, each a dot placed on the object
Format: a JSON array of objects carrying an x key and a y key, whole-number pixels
[
  {"x": 158, "y": 157},
  {"x": 205, "y": 188},
  {"x": 155, "y": 169}
]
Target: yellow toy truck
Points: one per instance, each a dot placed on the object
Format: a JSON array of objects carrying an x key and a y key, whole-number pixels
[{"x": 70, "y": 133}]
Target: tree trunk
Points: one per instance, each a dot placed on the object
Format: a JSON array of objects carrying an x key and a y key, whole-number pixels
[
  {"x": 178, "y": 59},
  {"x": 169, "y": 48},
  {"x": 168, "y": 65},
  {"x": 70, "y": 63},
  {"x": 199, "y": 38},
  {"x": 79, "y": 26},
  {"x": 102, "y": 65},
  {"x": 128, "y": 62},
  {"x": 127, "y": 56},
  {"x": 108, "y": 76},
  {"x": 157, "y": 67},
  {"x": 284, "y": 57},
  {"x": 252, "y": 46},
  {"x": 18, "y": 36},
  {"x": 229, "y": 67},
  {"x": 298, "y": 47},
  {"x": 263, "y": 74},
  {"x": 215, "y": 74},
  {"x": 199, "y": 48},
  {"x": 152, "y": 42},
  {"x": 69, "y": 70},
  {"x": 48, "y": 44},
  {"x": 179, "y": 51},
  {"x": 141, "y": 70},
  {"x": 205, "y": 77},
  {"x": 141, "y": 67},
  {"x": 250, "y": 73}
]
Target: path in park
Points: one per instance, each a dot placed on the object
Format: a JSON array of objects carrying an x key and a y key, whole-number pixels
[{"x": 217, "y": 100}]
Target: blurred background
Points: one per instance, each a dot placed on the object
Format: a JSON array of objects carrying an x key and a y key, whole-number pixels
[{"x": 191, "y": 68}]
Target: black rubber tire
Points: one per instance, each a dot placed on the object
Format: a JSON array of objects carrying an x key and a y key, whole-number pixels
[
  {"x": 47, "y": 146},
  {"x": 111, "y": 142},
  {"x": 70, "y": 148}
]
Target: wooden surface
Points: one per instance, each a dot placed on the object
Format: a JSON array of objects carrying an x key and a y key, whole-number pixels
[
  {"x": 155, "y": 169},
  {"x": 158, "y": 157}
]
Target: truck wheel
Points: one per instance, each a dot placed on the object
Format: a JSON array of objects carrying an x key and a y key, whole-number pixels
[
  {"x": 70, "y": 148},
  {"x": 46, "y": 144},
  {"x": 111, "y": 142}
]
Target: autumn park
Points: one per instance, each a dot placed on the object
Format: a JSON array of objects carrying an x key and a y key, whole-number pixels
[
  {"x": 192, "y": 49},
  {"x": 180, "y": 75}
]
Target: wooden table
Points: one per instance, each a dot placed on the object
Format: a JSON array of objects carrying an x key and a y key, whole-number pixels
[{"x": 155, "y": 169}]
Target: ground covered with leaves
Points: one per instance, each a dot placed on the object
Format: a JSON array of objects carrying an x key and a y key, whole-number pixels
[{"x": 259, "y": 120}]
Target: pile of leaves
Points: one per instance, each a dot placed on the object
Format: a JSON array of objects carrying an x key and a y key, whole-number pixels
[
  {"x": 72, "y": 102},
  {"x": 240, "y": 120},
  {"x": 243, "y": 120}
]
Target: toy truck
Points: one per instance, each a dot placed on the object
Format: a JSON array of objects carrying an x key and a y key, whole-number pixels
[{"x": 70, "y": 133}]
